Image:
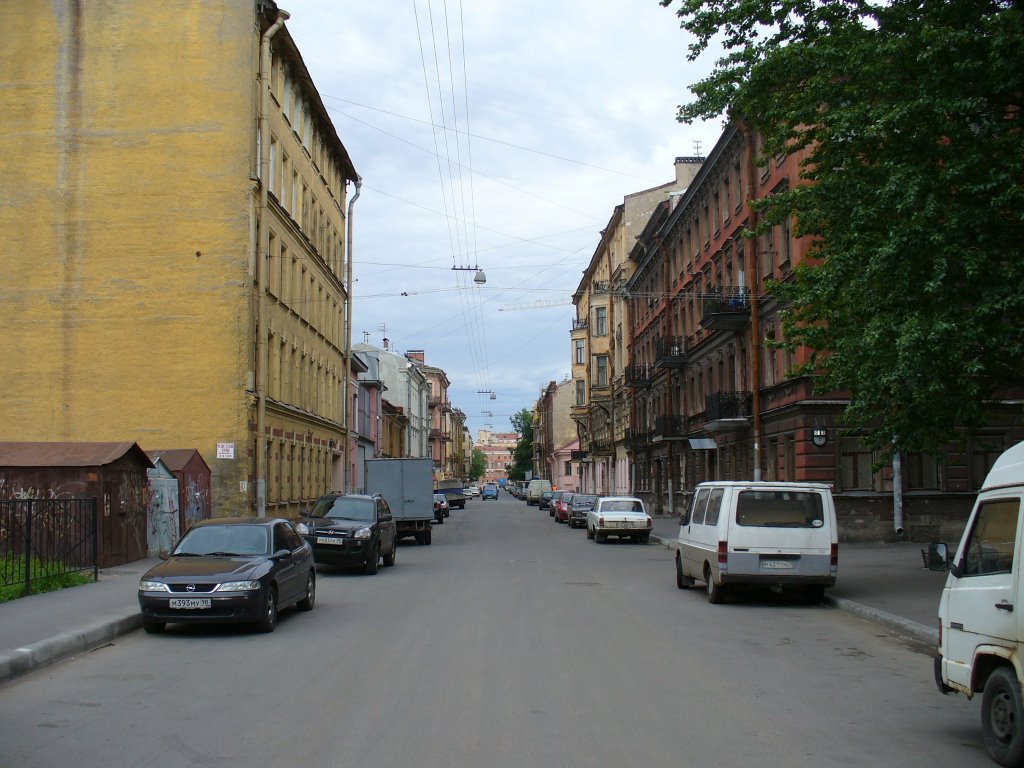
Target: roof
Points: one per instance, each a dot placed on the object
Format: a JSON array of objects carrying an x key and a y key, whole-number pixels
[
  {"x": 176, "y": 458},
  {"x": 1008, "y": 469},
  {"x": 67, "y": 454}
]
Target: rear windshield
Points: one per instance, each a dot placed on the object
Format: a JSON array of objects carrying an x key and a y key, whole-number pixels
[
  {"x": 584, "y": 501},
  {"x": 780, "y": 509},
  {"x": 622, "y": 505}
]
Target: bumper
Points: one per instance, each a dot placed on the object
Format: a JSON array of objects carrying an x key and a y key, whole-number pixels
[
  {"x": 782, "y": 569},
  {"x": 232, "y": 607},
  {"x": 351, "y": 553},
  {"x": 623, "y": 532},
  {"x": 937, "y": 669}
]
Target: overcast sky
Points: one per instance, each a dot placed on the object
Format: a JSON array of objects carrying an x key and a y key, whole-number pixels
[{"x": 497, "y": 135}]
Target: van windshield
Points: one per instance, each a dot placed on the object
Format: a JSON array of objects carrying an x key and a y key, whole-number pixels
[{"x": 780, "y": 509}]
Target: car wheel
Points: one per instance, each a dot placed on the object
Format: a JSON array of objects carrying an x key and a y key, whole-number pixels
[
  {"x": 644, "y": 538},
  {"x": 682, "y": 580},
  {"x": 269, "y": 619},
  {"x": 426, "y": 538},
  {"x": 306, "y": 603},
  {"x": 716, "y": 592},
  {"x": 153, "y": 627},
  {"x": 389, "y": 558},
  {"x": 372, "y": 562},
  {"x": 590, "y": 532},
  {"x": 440, "y": 519},
  {"x": 600, "y": 538},
  {"x": 1001, "y": 711}
]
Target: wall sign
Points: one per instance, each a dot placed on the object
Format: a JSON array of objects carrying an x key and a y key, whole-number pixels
[
  {"x": 225, "y": 450},
  {"x": 819, "y": 436}
]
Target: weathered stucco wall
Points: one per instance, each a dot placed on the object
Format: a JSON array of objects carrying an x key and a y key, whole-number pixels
[{"x": 126, "y": 145}]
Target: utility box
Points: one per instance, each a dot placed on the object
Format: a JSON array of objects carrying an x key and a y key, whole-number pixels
[{"x": 407, "y": 485}]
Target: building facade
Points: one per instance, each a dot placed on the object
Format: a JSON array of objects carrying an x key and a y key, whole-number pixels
[
  {"x": 497, "y": 448},
  {"x": 599, "y": 338},
  {"x": 177, "y": 271}
]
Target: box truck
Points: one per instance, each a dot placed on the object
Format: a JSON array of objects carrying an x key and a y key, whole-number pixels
[{"x": 407, "y": 485}]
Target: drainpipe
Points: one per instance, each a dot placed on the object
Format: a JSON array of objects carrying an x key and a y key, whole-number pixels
[
  {"x": 897, "y": 492},
  {"x": 262, "y": 249},
  {"x": 755, "y": 304},
  {"x": 346, "y": 448}
]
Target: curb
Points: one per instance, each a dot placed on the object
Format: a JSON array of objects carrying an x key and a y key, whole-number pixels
[
  {"x": 904, "y": 627},
  {"x": 59, "y": 647}
]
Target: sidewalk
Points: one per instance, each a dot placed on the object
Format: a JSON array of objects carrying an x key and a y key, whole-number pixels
[{"x": 883, "y": 583}]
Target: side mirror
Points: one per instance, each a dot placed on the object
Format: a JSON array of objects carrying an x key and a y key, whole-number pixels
[
  {"x": 281, "y": 554},
  {"x": 937, "y": 558}
]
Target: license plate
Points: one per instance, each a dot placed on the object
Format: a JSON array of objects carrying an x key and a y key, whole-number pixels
[
  {"x": 329, "y": 540},
  {"x": 190, "y": 602},
  {"x": 777, "y": 564}
]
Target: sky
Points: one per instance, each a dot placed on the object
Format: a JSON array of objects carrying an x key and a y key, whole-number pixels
[{"x": 493, "y": 136}]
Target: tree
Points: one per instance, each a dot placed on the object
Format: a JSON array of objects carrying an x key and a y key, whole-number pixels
[
  {"x": 910, "y": 115},
  {"x": 522, "y": 454},
  {"x": 478, "y": 465}
]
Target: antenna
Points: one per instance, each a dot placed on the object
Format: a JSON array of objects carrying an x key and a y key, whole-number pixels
[{"x": 696, "y": 148}]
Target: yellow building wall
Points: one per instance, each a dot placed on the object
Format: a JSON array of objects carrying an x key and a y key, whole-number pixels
[{"x": 126, "y": 150}]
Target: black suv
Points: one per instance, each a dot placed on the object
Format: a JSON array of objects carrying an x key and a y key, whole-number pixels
[{"x": 352, "y": 530}]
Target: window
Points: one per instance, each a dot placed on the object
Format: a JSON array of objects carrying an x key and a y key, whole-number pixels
[
  {"x": 580, "y": 357},
  {"x": 990, "y": 547},
  {"x": 602, "y": 371},
  {"x": 854, "y": 465},
  {"x": 700, "y": 501},
  {"x": 601, "y": 321},
  {"x": 714, "y": 506},
  {"x": 568, "y": 468},
  {"x": 581, "y": 392}
]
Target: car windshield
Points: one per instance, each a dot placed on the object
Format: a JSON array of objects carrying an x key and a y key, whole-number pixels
[
  {"x": 224, "y": 540},
  {"x": 622, "y": 505},
  {"x": 780, "y": 509},
  {"x": 344, "y": 508}
]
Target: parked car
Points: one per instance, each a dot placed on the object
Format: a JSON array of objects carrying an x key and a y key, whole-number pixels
[
  {"x": 621, "y": 516},
  {"x": 778, "y": 534},
  {"x": 562, "y": 506},
  {"x": 545, "y": 500},
  {"x": 441, "y": 508},
  {"x": 490, "y": 491},
  {"x": 581, "y": 504},
  {"x": 553, "y": 502},
  {"x": 472, "y": 490},
  {"x": 353, "y": 530},
  {"x": 235, "y": 569},
  {"x": 980, "y": 634}
]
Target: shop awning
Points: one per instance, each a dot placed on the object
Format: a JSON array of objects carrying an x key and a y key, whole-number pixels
[{"x": 703, "y": 443}]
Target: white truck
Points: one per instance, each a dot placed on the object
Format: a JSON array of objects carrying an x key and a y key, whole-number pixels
[
  {"x": 407, "y": 485},
  {"x": 980, "y": 626}
]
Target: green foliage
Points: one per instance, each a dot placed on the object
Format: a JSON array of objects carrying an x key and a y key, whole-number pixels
[
  {"x": 522, "y": 454},
  {"x": 478, "y": 465},
  {"x": 910, "y": 116},
  {"x": 46, "y": 577}
]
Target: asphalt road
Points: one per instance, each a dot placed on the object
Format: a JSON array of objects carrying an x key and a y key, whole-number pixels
[{"x": 510, "y": 641}]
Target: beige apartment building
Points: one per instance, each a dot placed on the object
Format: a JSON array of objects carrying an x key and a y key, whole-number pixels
[
  {"x": 602, "y": 403},
  {"x": 177, "y": 221}
]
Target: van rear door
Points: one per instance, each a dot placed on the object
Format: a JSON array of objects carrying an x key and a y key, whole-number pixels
[
  {"x": 786, "y": 531},
  {"x": 981, "y": 599}
]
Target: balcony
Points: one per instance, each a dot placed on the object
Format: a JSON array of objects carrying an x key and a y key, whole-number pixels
[
  {"x": 637, "y": 438},
  {"x": 580, "y": 325},
  {"x": 436, "y": 434},
  {"x": 669, "y": 428},
  {"x": 670, "y": 352},
  {"x": 728, "y": 411},
  {"x": 638, "y": 375},
  {"x": 726, "y": 309}
]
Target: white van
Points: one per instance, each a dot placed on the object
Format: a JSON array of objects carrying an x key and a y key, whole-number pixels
[
  {"x": 771, "y": 533},
  {"x": 535, "y": 489},
  {"x": 980, "y": 631}
]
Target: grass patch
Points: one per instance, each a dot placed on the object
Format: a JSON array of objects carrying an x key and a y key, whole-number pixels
[{"x": 47, "y": 576}]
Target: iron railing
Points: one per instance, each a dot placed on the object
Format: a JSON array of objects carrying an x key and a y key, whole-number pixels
[{"x": 45, "y": 540}]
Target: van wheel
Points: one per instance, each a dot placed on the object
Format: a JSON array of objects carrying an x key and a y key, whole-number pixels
[
  {"x": 682, "y": 581},
  {"x": 1001, "y": 711},
  {"x": 814, "y": 594},
  {"x": 716, "y": 592}
]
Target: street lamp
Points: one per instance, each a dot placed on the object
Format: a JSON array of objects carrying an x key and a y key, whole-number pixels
[{"x": 479, "y": 278}]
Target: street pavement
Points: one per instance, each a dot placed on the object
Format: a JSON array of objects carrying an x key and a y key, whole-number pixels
[{"x": 883, "y": 583}]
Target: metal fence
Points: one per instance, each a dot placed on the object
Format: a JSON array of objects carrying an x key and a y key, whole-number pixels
[{"x": 42, "y": 540}]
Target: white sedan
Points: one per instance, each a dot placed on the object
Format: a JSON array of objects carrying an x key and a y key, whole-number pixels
[{"x": 622, "y": 516}]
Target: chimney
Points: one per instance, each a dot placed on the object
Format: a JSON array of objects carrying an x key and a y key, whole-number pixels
[{"x": 416, "y": 356}]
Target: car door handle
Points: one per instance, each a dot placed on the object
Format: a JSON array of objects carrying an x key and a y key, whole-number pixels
[{"x": 1004, "y": 606}]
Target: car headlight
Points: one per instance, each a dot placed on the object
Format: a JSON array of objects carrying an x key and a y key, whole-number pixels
[
  {"x": 153, "y": 586},
  {"x": 302, "y": 528},
  {"x": 238, "y": 586},
  {"x": 364, "y": 533}
]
